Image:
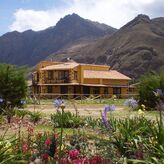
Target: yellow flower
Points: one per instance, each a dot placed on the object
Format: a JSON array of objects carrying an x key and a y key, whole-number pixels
[
  {"x": 62, "y": 106},
  {"x": 8, "y": 144},
  {"x": 62, "y": 147},
  {"x": 143, "y": 107},
  {"x": 114, "y": 97},
  {"x": 140, "y": 112}
]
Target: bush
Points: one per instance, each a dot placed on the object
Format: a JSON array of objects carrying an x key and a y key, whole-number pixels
[
  {"x": 35, "y": 116},
  {"x": 136, "y": 139},
  {"x": 69, "y": 120},
  {"x": 148, "y": 84},
  {"x": 21, "y": 113},
  {"x": 92, "y": 122}
]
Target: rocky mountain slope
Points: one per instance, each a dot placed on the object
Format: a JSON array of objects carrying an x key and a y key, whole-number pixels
[
  {"x": 30, "y": 47},
  {"x": 136, "y": 48}
]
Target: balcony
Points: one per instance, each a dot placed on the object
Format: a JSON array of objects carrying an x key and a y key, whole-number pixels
[{"x": 57, "y": 81}]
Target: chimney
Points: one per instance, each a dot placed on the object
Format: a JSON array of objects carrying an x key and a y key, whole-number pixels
[{"x": 68, "y": 59}]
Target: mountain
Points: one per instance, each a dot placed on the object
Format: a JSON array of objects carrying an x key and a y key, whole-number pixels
[
  {"x": 136, "y": 48},
  {"x": 30, "y": 47}
]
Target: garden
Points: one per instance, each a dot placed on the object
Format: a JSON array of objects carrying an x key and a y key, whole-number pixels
[{"x": 123, "y": 131}]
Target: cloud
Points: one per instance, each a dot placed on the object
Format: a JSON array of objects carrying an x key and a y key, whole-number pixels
[
  {"x": 111, "y": 12},
  {"x": 156, "y": 9},
  {"x": 36, "y": 20}
]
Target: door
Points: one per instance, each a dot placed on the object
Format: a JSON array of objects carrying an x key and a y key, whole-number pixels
[
  {"x": 117, "y": 91},
  {"x": 77, "y": 91},
  {"x": 86, "y": 90}
]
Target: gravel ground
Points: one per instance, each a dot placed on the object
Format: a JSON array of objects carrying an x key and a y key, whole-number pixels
[{"x": 83, "y": 110}]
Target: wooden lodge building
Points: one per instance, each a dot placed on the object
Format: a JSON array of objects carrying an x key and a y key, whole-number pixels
[{"x": 74, "y": 79}]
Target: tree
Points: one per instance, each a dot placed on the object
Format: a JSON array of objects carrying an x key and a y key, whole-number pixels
[
  {"x": 148, "y": 85},
  {"x": 13, "y": 88}
]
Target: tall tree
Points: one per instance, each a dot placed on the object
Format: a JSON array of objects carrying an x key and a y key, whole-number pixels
[{"x": 13, "y": 88}]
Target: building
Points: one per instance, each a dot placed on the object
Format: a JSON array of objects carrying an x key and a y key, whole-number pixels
[{"x": 75, "y": 79}]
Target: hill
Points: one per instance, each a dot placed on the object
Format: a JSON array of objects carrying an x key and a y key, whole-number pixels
[
  {"x": 30, "y": 47},
  {"x": 136, "y": 48}
]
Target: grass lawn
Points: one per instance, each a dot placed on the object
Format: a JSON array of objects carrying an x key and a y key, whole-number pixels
[
  {"x": 85, "y": 108},
  {"x": 86, "y": 101},
  {"x": 126, "y": 112},
  {"x": 42, "y": 128},
  {"x": 90, "y": 107}
]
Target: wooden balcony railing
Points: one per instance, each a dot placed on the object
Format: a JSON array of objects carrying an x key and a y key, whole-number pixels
[{"x": 57, "y": 81}]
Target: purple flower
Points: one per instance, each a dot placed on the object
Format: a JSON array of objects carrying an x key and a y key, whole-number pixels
[
  {"x": 104, "y": 119},
  {"x": 159, "y": 93},
  {"x": 132, "y": 103},
  {"x": 1, "y": 100},
  {"x": 108, "y": 108},
  {"x": 160, "y": 106},
  {"x": 57, "y": 103},
  {"x": 23, "y": 102}
]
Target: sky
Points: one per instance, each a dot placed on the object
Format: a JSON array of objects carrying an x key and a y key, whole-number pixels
[{"x": 21, "y": 15}]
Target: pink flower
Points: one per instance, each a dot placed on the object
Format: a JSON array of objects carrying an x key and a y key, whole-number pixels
[
  {"x": 30, "y": 129},
  {"x": 73, "y": 153},
  {"x": 48, "y": 141},
  {"x": 64, "y": 161},
  {"x": 25, "y": 148},
  {"x": 96, "y": 160},
  {"x": 139, "y": 155},
  {"x": 85, "y": 161},
  {"x": 77, "y": 161},
  {"x": 45, "y": 156},
  {"x": 107, "y": 162},
  {"x": 56, "y": 135}
]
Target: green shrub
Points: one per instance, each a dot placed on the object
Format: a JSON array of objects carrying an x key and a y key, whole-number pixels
[
  {"x": 13, "y": 88},
  {"x": 92, "y": 122},
  {"x": 68, "y": 120},
  {"x": 1, "y": 119},
  {"x": 35, "y": 116},
  {"x": 148, "y": 84},
  {"x": 127, "y": 130},
  {"x": 21, "y": 113}
]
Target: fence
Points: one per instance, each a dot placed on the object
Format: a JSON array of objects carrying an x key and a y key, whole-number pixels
[{"x": 37, "y": 98}]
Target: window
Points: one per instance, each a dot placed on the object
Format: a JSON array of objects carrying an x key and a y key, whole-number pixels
[
  {"x": 117, "y": 91},
  {"x": 50, "y": 75},
  {"x": 37, "y": 77},
  {"x": 86, "y": 90},
  {"x": 96, "y": 90},
  {"x": 106, "y": 91},
  {"x": 49, "y": 89},
  {"x": 63, "y": 75},
  {"x": 64, "y": 89},
  {"x": 75, "y": 75}
]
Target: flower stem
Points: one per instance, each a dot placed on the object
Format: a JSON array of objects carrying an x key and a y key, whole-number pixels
[{"x": 61, "y": 136}]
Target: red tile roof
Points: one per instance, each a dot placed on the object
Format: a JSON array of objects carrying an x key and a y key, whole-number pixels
[
  {"x": 111, "y": 74},
  {"x": 62, "y": 66}
]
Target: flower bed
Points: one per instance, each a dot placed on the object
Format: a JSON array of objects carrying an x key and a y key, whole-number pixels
[{"x": 92, "y": 141}]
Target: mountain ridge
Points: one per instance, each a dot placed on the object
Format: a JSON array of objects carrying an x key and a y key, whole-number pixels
[
  {"x": 30, "y": 47},
  {"x": 134, "y": 49}
]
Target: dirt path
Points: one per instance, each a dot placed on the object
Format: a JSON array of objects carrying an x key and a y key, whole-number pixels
[{"x": 83, "y": 110}]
